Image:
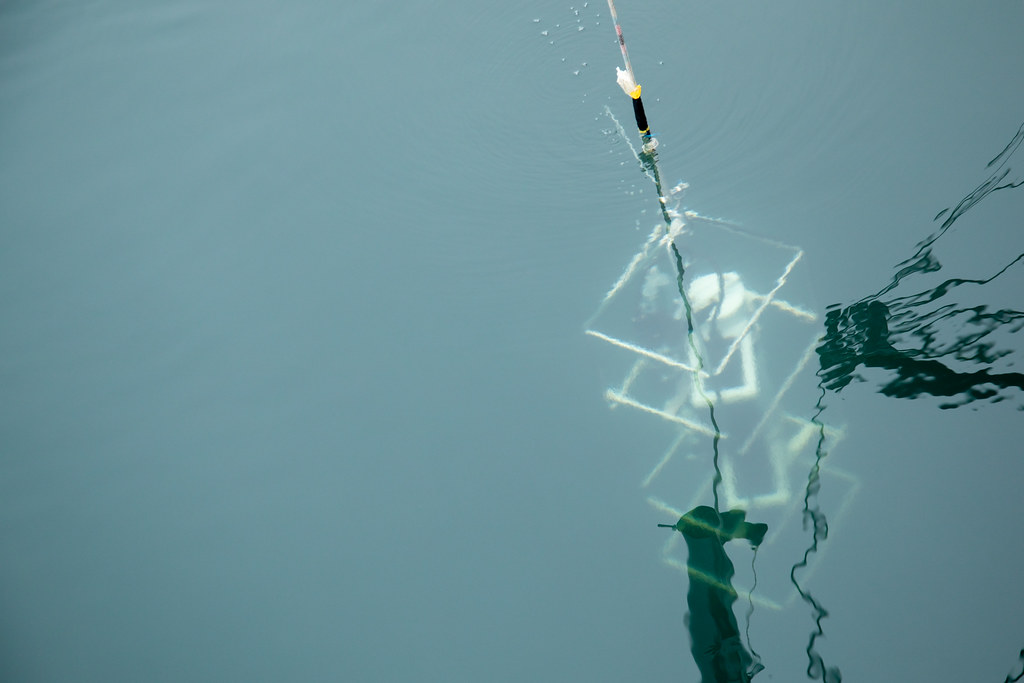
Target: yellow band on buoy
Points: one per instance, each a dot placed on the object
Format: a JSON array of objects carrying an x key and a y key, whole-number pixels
[{"x": 636, "y": 93}]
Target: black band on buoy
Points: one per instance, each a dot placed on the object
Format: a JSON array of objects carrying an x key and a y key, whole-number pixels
[{"x": 641, "y": 118}]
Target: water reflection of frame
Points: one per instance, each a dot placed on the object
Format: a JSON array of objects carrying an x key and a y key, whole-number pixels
[{"x": 749, "y": 354}]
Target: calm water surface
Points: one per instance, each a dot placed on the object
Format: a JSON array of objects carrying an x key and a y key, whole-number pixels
[{"x": 295, "y": 384}]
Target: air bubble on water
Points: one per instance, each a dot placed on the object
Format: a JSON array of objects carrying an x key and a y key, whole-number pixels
[
  {"x": 543, "y": 33},
  {"x": 536, "y": 21}
]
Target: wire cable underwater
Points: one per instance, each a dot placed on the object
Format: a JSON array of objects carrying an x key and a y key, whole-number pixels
[
  {"x": 648, "y": 159},
  {"x": 716, "y": 642}
]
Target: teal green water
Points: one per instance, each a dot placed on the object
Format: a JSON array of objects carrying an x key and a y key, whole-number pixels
[{"x": 294, "y": 378}]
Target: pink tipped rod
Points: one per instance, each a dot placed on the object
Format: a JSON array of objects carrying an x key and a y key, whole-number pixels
[
  {"x": 622, "y": 41},
  {"x": 627, "y": 81}
]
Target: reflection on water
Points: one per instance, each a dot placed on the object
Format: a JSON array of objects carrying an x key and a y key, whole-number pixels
[
  {"x": 1020, "y": 660},
  {"x": 940, "y": 341},
  {"x": 931, "y": 342},
  {"x": 715, "y": 640},
  {"x": 815, "y": 518}
]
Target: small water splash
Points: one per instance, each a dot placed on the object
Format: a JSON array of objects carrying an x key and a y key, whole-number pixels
[{"x": 562, "y": 32}]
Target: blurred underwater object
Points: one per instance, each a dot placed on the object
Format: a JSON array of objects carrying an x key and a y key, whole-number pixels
[{"x": 715, "y": 641}]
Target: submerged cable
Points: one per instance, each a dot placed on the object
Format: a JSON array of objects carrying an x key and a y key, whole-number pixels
[
  {"x": 756, "y": 664},
  {"x": 817, "y": 669},
  {"x": 698, "y": 382},
  {"x": 648, "y": 159}
]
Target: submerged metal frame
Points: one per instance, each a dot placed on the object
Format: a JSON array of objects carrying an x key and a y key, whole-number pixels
[{"x": 782, "y": 457}]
